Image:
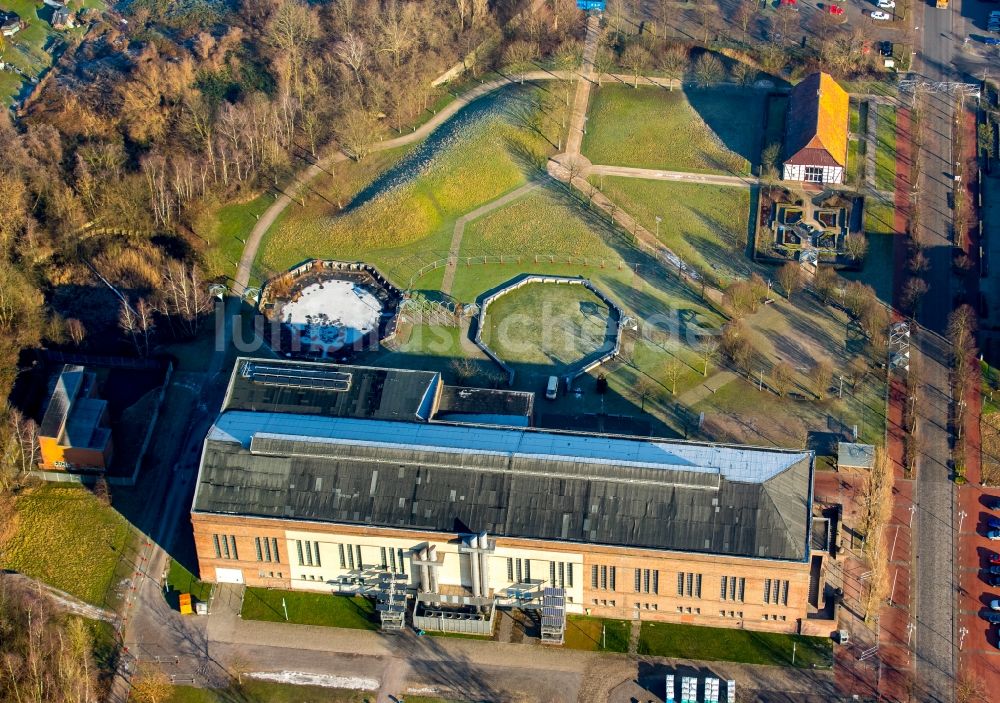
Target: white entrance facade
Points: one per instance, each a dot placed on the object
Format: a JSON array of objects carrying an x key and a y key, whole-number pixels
[{"x": 229, "y": 575}]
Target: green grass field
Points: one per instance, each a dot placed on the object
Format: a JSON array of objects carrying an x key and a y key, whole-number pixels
[
  {"x": 885, "y": 147},
  {"x": 64, "y": 536},
  {"x": 406, "y": 219},
  {"x": 251, "y": 690},
  {"x": 879, "y": 216},
  {"x": 744, "y": 646},
  {"x": 225, "y": 231},
  {"x": 705, "y": 225},
  {"x": 990, "y": 388},
  {"x": 855, "y": 154},
  {"x": 705, "y": 131},
  {"x": 28, "y": 49},
  {"x": 548, "y": 324},
  {"x": 597, "y": 634},
  {"x": 878, "y": 267},
  {"x": 323, "y": 609},
  {"x": 180, "y": 580}
]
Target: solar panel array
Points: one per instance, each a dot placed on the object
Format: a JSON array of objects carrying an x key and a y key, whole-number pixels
[
  {"x": 297, "y": 377},
  {"x": 670, "y": 694},
  {"x": 553, "y": 615}
]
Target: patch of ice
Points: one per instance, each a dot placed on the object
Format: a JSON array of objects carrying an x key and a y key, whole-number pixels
[
  {"x": 301, "y": 678},
  {"x": 332, "y": 314}
]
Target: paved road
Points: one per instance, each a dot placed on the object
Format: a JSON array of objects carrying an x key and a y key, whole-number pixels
[{"x": 935, "y": 650}]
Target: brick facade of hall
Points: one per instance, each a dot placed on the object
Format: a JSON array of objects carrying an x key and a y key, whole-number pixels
[{"x": 600, "y": 580}]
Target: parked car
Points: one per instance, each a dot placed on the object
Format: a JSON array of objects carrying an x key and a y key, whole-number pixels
[
  {"x": 995, "y": 604},
  {"x": 993, "y": 570},
  {"x": 990, "y": 616},
  {"x": 879, "y": 15},
  {"x": 992, "y": 502},
  {"x": 835, "y": 9},
  {"x": 887, "y": 4},
  {"x": 993, "y": 558},
  {"x": 993, "y": 535},
  {"x": 993, "y": 522},
  {"x": 992, "y": 41},
  {"x": 885, "y": 48},
  {"x": 992, "y": 580}
]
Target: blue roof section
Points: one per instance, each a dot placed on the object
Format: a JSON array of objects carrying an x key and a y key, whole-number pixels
[{"x": 739, "y": 464}]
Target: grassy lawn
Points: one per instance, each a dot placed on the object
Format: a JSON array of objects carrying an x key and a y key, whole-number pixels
[
  {"x": 885, "y": 147},
  {"x": 271, "y": 692},
  {"x": 27, "y": 48},
  {"x": 705, "y": 131},
  {"x": 705, "y": 225},
  {"x": 744, "y": 646},
  {"x": 399, "y": 211},
  {"x": 597, "y": 634},
  {"x": 64, "y": 536},
  {"x": 548, "y": 324},
  {"x": 323, "y": 609},
  {"x": 855, "y": 160},
  {"x": 10, "y": 84},
  {"x": 878, "y": 267},
  {"x": 879, "y": 216},
  {"x": 990, "y": 388},
  {"x": 777, "y": 108},
  {"x": 180, "y": 580},
  {"x": 225, "y": 229}
]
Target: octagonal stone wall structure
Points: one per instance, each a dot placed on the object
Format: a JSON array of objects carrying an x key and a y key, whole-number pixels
[{"x": 614, "y": 311}]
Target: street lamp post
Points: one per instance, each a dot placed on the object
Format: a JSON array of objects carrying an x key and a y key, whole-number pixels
[{"x": 658, "y": 221}]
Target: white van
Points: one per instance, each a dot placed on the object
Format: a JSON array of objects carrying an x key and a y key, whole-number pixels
[{"x": 552, "y": 388}]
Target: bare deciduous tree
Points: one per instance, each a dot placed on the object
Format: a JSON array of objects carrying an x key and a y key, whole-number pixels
[
  {"x": 673, "y": 371},
  {"x": 791, "y": 278},
  {"x": 708, "y": 70},
  {"x": 782, "y": 374},
  {"x": 636, "y": 59}
]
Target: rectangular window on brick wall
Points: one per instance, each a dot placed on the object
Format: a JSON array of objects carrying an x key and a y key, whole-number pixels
[
  {"x": 608, "y": 577},
  {"x": 776, "y": 591},
  {"x": 689, "y": 584},
  {"x": 225, "y": 547},
  {"x": 732, "y": 588},
  {"x": 647, "y": 581}
]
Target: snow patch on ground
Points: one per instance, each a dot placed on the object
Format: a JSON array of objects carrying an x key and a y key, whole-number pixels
[
  {"x": 333, "y": 314},
  {"x": 301, "y": 678}
]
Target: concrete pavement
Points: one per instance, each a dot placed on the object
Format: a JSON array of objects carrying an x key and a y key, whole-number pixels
[{"x": 210, "y": 650}]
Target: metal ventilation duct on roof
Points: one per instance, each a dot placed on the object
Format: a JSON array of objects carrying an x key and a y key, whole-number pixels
[{"x": 297, "y": 377}]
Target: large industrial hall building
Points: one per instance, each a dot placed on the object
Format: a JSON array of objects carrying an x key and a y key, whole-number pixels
[{"x": 350, "y": 479}]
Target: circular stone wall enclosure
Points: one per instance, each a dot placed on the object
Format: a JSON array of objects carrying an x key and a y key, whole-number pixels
[
  {"x": 614, "y": 311},
  {"x": 325, "y": 309}
]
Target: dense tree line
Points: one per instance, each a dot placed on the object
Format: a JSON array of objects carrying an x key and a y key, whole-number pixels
[{"x": 48, "y": 657}]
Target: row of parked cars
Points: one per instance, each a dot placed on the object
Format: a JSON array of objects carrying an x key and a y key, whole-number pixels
[{"x": 991, "y": 572}]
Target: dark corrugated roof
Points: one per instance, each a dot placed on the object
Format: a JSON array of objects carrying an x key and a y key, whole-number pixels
[
  {"x": 385, "y": 394},
  {"x": 487, "y": 401},
  {"x": 525, "y": 493}
]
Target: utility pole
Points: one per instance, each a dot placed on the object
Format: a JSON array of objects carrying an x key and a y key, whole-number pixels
[{"x": 658, "y": 221}]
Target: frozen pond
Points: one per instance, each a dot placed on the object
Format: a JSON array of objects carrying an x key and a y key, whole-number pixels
[{"x": 332, "y": 314}]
